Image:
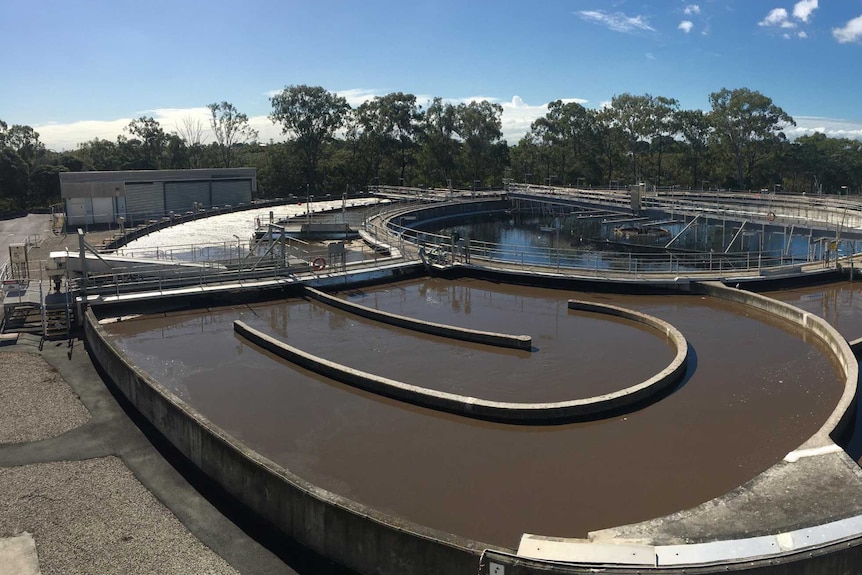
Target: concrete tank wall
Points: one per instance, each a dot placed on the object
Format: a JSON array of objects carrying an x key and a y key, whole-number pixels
[
  {"x": 843, "y": 558},
  {"x": 340, "y": 529},
  {"x": 449, "y": 331}
]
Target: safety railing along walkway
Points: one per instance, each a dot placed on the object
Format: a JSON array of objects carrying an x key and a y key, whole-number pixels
[{"x": 590, "y": 261}]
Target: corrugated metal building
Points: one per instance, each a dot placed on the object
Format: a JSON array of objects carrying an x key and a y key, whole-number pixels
[{"x": 140, "y": 195}]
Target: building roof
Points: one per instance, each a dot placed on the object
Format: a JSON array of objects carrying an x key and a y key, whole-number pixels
[
  {"x": 113, "y": 183},
  {"x": 133, "y": 176}
]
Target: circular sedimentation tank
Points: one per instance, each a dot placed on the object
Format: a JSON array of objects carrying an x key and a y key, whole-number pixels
[{"x": 756, "y": 387}]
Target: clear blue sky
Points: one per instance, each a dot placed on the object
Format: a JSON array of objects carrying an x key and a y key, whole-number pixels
[{"x": 79, "y": 69}]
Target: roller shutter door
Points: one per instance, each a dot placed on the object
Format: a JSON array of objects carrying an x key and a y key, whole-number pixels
[
  {"x": 231, "y": 192},
  {"x": 144, "y": 202},
  {"x": 180, "y": 197}
]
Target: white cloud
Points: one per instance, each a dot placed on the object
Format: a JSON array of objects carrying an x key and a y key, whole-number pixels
[
  {"x": 686, "y": 26},
  {"x": 618, "y": 22},
  {"x": 67, "y": 136},
  {"x": 469, "y": 99},
  {"x": 58, "y": 136},
  {"x": 777, "y": 17},
  {"x": 358, "y": 96},
  {"x": 802, "y": 34},
  {"x": 834, "y": 128},
  {"x": 650, "y": 56},
  {"x": 518, "y": 115},
  {"x": 803, "y": 9},
  {"x": 850, "y": 32},
  {"x": 692, "y": 9}
]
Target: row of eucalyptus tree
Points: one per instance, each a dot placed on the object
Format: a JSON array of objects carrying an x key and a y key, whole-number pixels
[
  {"x": 391, "y": 139},
  {"x": 329, "y": 147},
  {"x": 645, "y": 138},
  {"x": 740, "y": 143}
]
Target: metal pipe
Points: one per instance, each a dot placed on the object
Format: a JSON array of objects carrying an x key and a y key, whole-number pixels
[
  {"x": 682, "y": 231},
  {"x": 733, "y": 239}
]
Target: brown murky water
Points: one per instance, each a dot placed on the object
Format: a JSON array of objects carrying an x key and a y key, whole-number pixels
[
  {"x": 839, "y": 303},
  {"x": 756, "y": 391}
]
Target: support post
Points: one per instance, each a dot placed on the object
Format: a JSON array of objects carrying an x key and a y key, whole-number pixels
[{"x": 82, "y": 250}]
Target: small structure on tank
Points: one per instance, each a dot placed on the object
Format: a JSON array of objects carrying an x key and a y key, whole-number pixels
[
  {"x": 307, "y": 231},
  {"x": 642, "y": 231}
]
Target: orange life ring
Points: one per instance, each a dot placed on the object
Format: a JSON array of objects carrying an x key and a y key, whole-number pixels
[
  {"x": 770, "y": 216},
  {"x": 318, "y": 263}
]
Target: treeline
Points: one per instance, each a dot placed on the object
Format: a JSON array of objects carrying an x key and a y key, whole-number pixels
[{"x": 329, "y": 147}]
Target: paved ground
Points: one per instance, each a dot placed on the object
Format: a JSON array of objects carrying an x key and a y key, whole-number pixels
[{"x": 17, "y": 230}]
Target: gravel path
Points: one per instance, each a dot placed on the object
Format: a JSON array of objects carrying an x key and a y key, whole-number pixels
[
  {"x": 93, "y": 516},
  {"x": 37, "y": 402}
]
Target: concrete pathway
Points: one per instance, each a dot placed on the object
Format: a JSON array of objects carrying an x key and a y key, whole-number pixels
[{"x": 18, "y": 556}]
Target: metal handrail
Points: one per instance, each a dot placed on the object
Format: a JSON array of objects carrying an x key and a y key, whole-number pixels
[{"x": 596, "y": 261}]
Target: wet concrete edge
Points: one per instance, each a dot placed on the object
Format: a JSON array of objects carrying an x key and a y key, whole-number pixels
[{"x": 438, "y": 329}]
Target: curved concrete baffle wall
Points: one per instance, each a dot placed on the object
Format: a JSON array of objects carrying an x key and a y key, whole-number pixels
[
  {"x": 506, "y": 412},
  {"x": 438, "y": 329},
  {"x": 801, "y": 516}
]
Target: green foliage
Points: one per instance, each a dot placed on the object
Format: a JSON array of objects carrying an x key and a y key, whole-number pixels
[
  {"x": 310, "y": 116},
  {"x": 694, "y": 129},
  {"x": 385, "y": 132},
  {"x": 747, "y": 128},
  {"x": 149, "y": 147},
  {"x": 815, "y": 161},
  {"x": 231, "y": 128},
  {"x": 567, "y": 140},
  {"x": 14, "y": 179},
  {"x": 479, "y": 125},
  {"x": 439, "y": 149},
  {"x": 45, "y": 185}
]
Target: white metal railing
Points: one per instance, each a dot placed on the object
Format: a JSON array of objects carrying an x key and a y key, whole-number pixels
[
  {"x": 4, "y": 274},
  {"x": 823, "y": 212},
  {"x": 595, "y": 261},
  {"x": 227, "y": 262},
  {"x": 231, "y": 261}
]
